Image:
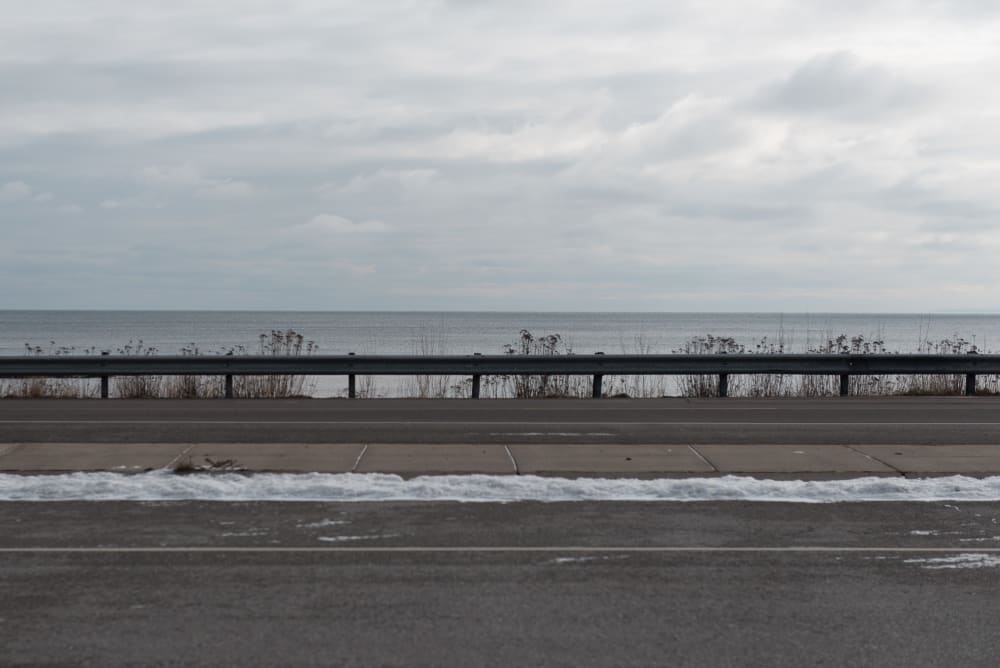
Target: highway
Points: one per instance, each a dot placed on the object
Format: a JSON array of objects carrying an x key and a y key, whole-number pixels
[
  {"x": 849, "y": 421},
  {"x": 524, "y": 583}
]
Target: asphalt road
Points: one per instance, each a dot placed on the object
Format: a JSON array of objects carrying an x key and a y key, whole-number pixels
[
  {"x": 848, "y": 421},
  {"x": 577, "y": 584},
  {"x": 580, "y": 584}
]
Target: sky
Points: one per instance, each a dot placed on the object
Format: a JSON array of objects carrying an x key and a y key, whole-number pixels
[{"x": 797, "y": 155}]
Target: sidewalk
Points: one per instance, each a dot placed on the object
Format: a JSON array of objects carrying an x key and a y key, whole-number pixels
[{"x": 563, "y": 460}]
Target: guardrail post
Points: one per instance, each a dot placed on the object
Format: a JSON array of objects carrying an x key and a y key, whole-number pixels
[
  {"x": 475, "y": 381},
  {"x": 845, "y": 384},
  {"x": 723, "y": 385},
  {"x": 104, "y": 379},
  {"x": 229, "y": 386},
  {"x": 970, "y": 378},
  {"x": 598, "y": 388},
  {"x": 352, "y": 386}
]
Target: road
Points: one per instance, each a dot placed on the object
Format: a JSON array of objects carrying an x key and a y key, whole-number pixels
[
  {"x": 422, "y": 584},
  {"x": 574, "y": 584},
  {"x": 848, "y": 421}
]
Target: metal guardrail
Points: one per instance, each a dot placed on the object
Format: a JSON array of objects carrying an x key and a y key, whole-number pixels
[{"x": 597, "y": 365}]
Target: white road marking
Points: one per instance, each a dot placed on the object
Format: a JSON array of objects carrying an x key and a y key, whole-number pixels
[
  {"x": 513, "y": 462},
  {"x": 360, "y": 457},
  {"x": 550, "y": 433},
  {"x": 548, "y": 423},
  {"x": 504, "y": 549}
]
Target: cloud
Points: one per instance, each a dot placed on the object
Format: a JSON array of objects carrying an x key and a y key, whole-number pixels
[
  {"x": 394, "y": 184},
  {"x": 226, "y": 189},
  {"x": 189, "y": 178},
  {"x": 329, "y": 224},
  {"x": 665, "y": 156},
  {"x": 840, "y": 85},
  {"x": 14, "y": 190},
  {"x": 171, "y": 176},
  {"x": 138, "y": 202},
  {"x": 692, "y": 127}
]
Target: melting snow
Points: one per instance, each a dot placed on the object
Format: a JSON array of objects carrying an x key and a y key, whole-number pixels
[
  {"x": 574, "y": 560},
  {"x": 981, "y": 539},
  {"x": 322, "y": 523},
  {"x": 964, "y": 560},
  {"x": 165, "y": 486},
  {"x": 338, "y": 539}
]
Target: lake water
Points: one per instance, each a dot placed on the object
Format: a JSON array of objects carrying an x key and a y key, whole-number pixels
[
  {"x": 460, "y": 333},
  {"x": 168, "y": 332}
]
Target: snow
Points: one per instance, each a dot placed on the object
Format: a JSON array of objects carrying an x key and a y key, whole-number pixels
[
  {"x": 345, "y": 487},
  {"x": 981, "y": 539},
  {"x": 322, "y": 523},
  {"x": 578, "y": 560},
  {"x": 959, "y": 561}
]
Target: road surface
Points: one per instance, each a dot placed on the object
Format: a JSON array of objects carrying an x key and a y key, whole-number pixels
[
  {"x": 925, "y": 420},
  {"x": 429, "y": 584},
  {"x": 574, "y": 584}
]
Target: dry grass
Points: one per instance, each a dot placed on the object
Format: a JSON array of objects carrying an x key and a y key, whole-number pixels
[
  {"x": 278, "y": 342},
  {"x": 546, "y": 386},
  {"x": 291, "y": 343},
  {"x": 50, "y": 388},
  {"x": 778, "y": 385},
  {"x": 637, "y": 387},
  {"x": 426, "y": 386}
]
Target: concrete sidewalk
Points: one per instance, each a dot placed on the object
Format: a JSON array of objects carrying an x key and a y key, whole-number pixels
[{"x": 564, "y": 460}]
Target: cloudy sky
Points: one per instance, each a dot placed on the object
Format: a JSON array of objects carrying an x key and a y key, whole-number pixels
[{"x": 802, "y": 155}]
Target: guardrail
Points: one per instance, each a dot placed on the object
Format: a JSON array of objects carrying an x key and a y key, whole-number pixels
[{"x": 597, "y": 365}]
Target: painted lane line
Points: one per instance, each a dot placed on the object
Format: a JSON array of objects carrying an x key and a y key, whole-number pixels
[
  {"x": 513, "y": 461},
  {"x": 714, "y": 423},
  {"x": 692, "y": 447},
  {"x": 176, "y": 460},
  {"x": 361, "y": 455},
  {"x": 504, "y": 549}
]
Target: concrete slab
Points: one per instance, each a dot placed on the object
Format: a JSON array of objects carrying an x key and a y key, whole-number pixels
[
  {"x": 275, "y": 457},
  {"x": 593, "y": 460},
  {"x": 56, "y": 457},
  {"x": 7, "y": 447},
  {"x": 420, "y": 459},
  {"x": 929, "y": 460},
  {"x": 779, "y": 460}
]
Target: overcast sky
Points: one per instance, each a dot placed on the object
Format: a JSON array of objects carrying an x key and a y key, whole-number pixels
[{"x": 474, "y": 155}]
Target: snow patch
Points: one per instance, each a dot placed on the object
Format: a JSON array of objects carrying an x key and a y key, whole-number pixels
[
  {"x": 923, "y": 532},
  {"x": 576, "y": 560},
  {"x": 346, "y": 487},
  {"x": 339, "y": 539},
  {"x": 322, "y": 523},
  {"x": 981, "y": 539},
  {"x": 959, "y": 561},
  {"x": 248, "y": 532}
]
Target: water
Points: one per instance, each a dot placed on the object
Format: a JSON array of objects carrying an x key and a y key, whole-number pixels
[
  {"x": 168, "y": 332},
  {"x": 466, "y": 332}
]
